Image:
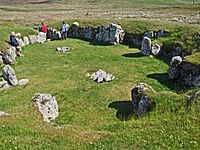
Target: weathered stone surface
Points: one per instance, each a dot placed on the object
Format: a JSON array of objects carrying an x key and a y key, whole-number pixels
[
  {"x": 101, "y": 76},
  {"x": 133, "y": 40},
  {"x": 63, "y": 49},
  {"x": 140, "y": 101},
  {"x": 47, "y": 105},
  {"x": 173, "y": 71},
  {"x": 9, "y": 56},
  {"x": 146, "y": 46},
  {"x": 113, "y": 34},
  {"x": 23, "y": 81},
  {"x": 4, "y": 85},
  {"x": 75, "y": 31},
  {"x": 149, "y": 34},
  {"x": 1, "y": 59},
  {"x": 185, "y": 73},
  {"x": 89, "y": 33},
  {"x": 41, "y": 37},
  {"x": 20, "y": 41},
  {"x": 9, "y": 75},
  {"x": 156, "y": 49},
  {"x": 26, "y": 40},
  {"x": 3, "y": 114},
  {"x": 32, "y": 39}
]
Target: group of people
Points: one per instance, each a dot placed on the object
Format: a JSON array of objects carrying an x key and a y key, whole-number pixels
[{"x": 15, "y": 43}]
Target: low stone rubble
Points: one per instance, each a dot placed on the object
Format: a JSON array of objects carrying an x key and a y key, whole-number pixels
[
  {"x": 101, "y": 76},
  {"x": 47, "y": 106},
  {"x": 62, "y": 49}
]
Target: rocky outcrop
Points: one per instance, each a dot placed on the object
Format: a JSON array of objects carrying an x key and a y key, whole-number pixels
[
  {"x": 146, "y": 46},
  {"x": 113, "y": 34},
  {"x": 62, "y": 49},
  {"x": 185, "y": 73},
  {"x": 9, "y": 75},
  {"x": 47, "y": 106},
  {"x": 9, "y": 56},
  {"x": 141, "y": 102},
  {"x": 101, "y": 76}
]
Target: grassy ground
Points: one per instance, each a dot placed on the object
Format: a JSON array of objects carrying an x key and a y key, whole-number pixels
[{"x": 94, "y": 116}]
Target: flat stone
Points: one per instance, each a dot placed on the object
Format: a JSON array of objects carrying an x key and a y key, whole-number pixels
[{"x": 23, "y": 81}]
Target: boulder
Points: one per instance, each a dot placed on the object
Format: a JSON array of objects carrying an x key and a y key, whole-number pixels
[
  {"x": 23, "y": 81},
  {"x": 26, "y": 40},
  {"x": 156, "y": 49},
  {"x": 141, "y": 102},
  {"x": 32, "y": 39},
  {"x": 185, "y": 73},
  {"x": 75, "y": 31},
  {"x": 149, "y": 34},
  {"x": 9, "y": 56},
  {"x": 89, "y": 33},
  {"x": 146, "y": 46},
  {"x": 4, "y": 84},
  {"x": 9, "y": 75},
  {"x": 47, "y": 106},
  {"x": 3, "y": 114},
  {"x": 101, "y": 76},
  {"x": 41, "y": 37},
  {"x": 20, "y": 41}
]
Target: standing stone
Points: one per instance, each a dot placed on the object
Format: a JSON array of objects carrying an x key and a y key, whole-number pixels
[
  {"x": 41, "y": 37},
  {"x": 4, "y": 84},
  {"x": 32, "y": 39},
  {"x": 9, "y": 75},
  {"x": 116, "y": 34},
  {"x": 26, "y": 40},
  {"x": 149, "y": 34},
  {"x": 89, "y": 33},
  {"x": 173, "y": 71},
  {"x": 140, "y": 101},
  {"x": 9, "y": 56},
  {"x": 20, "y": 41},
  {"x": 155, "y": 49},
  {"x": 47, "y": 105},
  {"x": 146, "y": 46}
]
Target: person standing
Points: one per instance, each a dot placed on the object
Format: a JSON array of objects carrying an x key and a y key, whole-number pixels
[
  {"x": 64, "y": 30},
  {"x": 44, "y": 27}
]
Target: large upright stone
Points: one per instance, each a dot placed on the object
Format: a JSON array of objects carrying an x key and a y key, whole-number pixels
[
  {"x": 9, "y": 56},
  {"x": 140, "y": 101},
  {"x": 41, "y": 37},
  {"x": 89, "y": 33},
  {"x": 146, "y": 46},
  {"x": 9, "y": 75},
  {"x": 32, "y": 39},
  {"x": 26, "y": 40},
  {"x": 47, "y": 105},
  {"x": 173, "y": 70},
  {"x": 20, "y": 41}
]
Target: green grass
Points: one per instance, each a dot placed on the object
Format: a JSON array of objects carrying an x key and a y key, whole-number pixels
[{"x": 86, "y": 121}]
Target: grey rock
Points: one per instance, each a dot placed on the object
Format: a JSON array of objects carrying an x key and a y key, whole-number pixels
[
  {"x": 20, "y": 41},
  {"x": 89, "y": 33},
  {"x": 26, "y": 40},
  {"x": 3, "y": 114},
  {"x": 23, "y": 81},
  {"x": 63, "y": 49},
  {"x": 32, "y": 39},
  {"x": 41, "y": 37},
  {"x": 142, "y": 104},
  {"x": 149, "y": 34},
  {"x": 9, "y": 75},
  {"x": 4, "y": 85},
  {"x": 146, "y": 46},
  {"x": 9, "y": 56},
  {"x": 47, "y": 106},
  {"x": 173, "y": 71},
  {"x": 178, "y": 50},
  {"x": 101, "y": 76},
  {"x": 156, "y": 49}
]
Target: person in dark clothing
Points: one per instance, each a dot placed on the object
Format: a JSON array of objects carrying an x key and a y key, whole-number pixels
[{"x": 15, "y": 43}]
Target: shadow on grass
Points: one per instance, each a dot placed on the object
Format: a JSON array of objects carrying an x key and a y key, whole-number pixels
[
  {"x": 124, "y": 109},
  {"x": 163, "y": 79},
  {"x": 138, "y": 54},
  {"x": 164, "y": 59}
]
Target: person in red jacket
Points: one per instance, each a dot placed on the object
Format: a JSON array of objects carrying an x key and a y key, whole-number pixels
[{"x": 44, "y": 28}]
